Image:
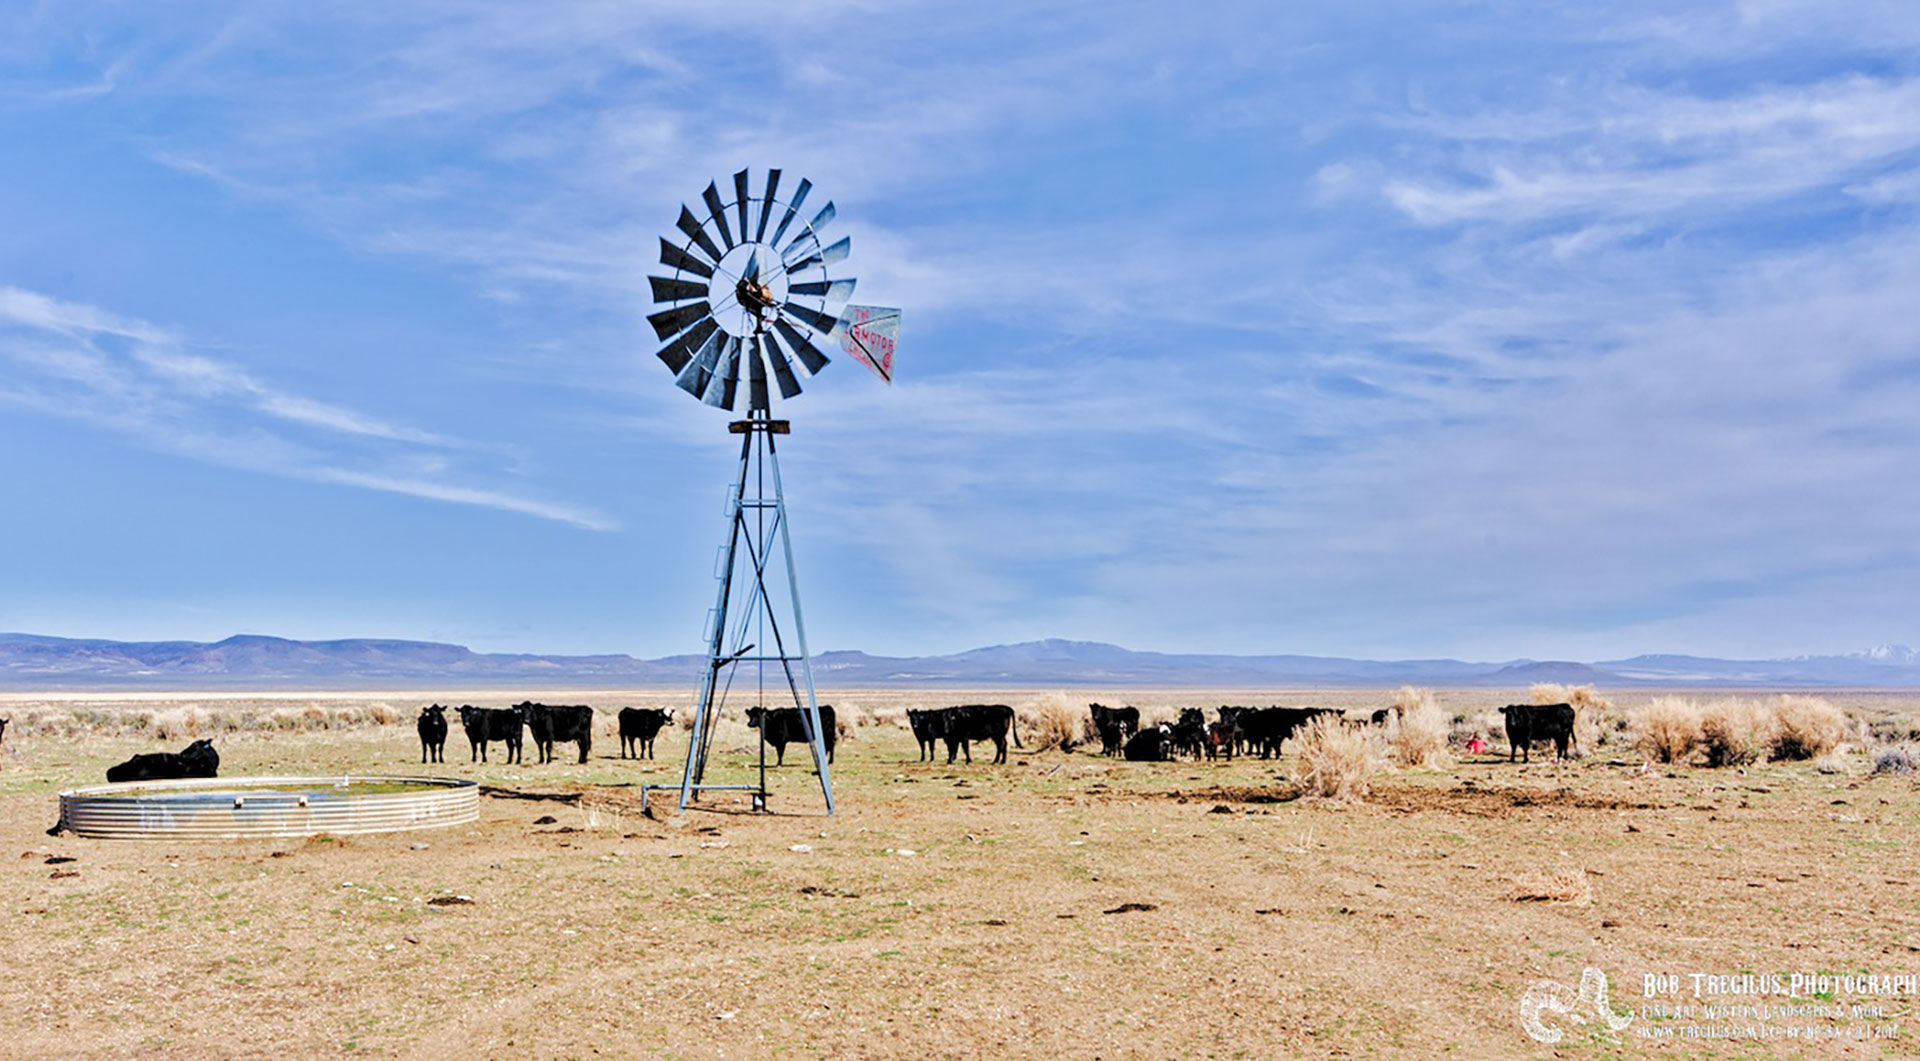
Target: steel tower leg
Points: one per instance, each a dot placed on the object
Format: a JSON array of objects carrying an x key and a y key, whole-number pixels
[
  {"x": 696, "y": 768},
  {"x": 812, "y": 707},
  {"x": 756, "y": 447}
]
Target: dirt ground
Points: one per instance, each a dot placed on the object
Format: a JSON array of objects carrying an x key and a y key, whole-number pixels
[{"x": 1061, "y": 904}]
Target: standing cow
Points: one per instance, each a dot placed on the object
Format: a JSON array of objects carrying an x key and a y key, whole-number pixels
[
  {"x": 1527, "y": 723},
  {"x": 1190, "y": 733},
  {"x": 971, "y": 722},
  {"x": 928, "y": 728},
  {"x": 1269, "y": 727},
  {"x": 638, "y": 727},
  {"x": 788, "y": 725},
  {"x": 1233, "y": 720},
  {"x": 563, "y": 722},
  {"x": 1113, "y": 725},
  {"x": 432, "y": 725},
  {"x": 484, "y": 724},
  {"x": 1220, "y": 739}
]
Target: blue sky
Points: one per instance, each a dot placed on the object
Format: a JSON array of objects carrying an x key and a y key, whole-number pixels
[{"x": 1393, "y": 330}]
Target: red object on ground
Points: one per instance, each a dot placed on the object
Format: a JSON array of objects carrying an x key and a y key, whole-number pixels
[{"x": 1476, "y": 745}]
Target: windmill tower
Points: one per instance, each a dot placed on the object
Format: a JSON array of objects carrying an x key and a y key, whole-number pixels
[{"x": 746, "y": 301}]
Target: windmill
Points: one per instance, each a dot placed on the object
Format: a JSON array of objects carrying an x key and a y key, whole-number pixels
[{"x": 750, "y": 296}]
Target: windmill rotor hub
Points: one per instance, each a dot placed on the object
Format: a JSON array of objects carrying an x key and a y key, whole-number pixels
[{"x": 756, "y": 298}]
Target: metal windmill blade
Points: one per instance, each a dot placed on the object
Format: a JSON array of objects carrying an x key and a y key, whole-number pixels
[
  {"x": 698, "y": 372},
  {"x": 741, "y": 201},
  {"x": 766, "y": 205},
  {"x": 782, "y": 368},
  {"x": 756, "y": 376},
  {"x": 802, "y": 347},
  {"x": 681, "y": 261},
  {"x": 726, "y": 378}
]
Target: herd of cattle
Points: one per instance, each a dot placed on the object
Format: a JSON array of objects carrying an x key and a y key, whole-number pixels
[
  {"x": 550, "y": 725},
  {"x": 1245, "y": 730},
  {"x": 1236, "y": 731}
]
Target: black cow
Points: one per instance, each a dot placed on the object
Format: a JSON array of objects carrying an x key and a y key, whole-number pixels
[
  {"x": 638, "y": 727},
  {"x": 1151, "y": 745},
  {"x": 484, "y": 724},
  {"x": 195, "y": 760},
  {"x": 971, "y": 722},
  {"x": 3, "y": 729},
  {"x": 788, "y": 725},
  {"x": 1527, "y": 723},
  {"x": 1269, "y": 727},
  {"x": 432, "y": 725},
  {"x": 1221, "y": 737},
  {"x": 558, "y": 722},
  {"x": 1190, "y": 732},
  {"x": 1113, "y": 725},
  {"x": 1230, "y": 718},
  {"x": 928, "y": 728},
  {"x": 1379, "y": 718}
]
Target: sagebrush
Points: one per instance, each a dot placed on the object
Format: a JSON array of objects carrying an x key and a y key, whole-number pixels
[
  {"x": 1333, "y": 760},
  {"x": 1666, "y": 728},
  {"x": 1417, "y": 728},
  {"x": 1051, "y": 722},
  {"x": 1806, "y": 727}
]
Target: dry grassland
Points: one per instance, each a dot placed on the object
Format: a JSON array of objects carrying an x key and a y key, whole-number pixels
[{"x": 1063, "y": 904}]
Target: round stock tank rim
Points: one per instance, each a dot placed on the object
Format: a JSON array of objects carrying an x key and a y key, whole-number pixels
[{"x": 240, "y": 808}]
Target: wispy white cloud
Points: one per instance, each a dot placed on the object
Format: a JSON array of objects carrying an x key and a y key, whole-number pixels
[
  {"x": 1642, "y": 154},
  {"x": 140, "y": 380}
]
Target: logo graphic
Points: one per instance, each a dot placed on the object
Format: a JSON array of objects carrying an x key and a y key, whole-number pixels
[{"x": 1544, "y": 997}]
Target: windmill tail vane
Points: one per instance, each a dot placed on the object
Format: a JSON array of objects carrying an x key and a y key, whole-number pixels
[{"x": 867, "y": 334}]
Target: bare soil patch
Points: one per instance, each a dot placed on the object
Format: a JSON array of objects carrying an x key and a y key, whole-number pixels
[{"x": 1493, "y": 802}]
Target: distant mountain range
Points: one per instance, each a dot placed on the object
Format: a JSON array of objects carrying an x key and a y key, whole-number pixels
[{"x": 29, "y": 663}]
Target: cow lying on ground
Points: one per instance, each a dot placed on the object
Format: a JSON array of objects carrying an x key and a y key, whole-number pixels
[
  {"x": 1113, "y": 725},
  {"x": 788, "y": 725},
  {"x": 558, "y": 722},
  {"x": 195, "y": 760},
  {"x": 971, "y": 722},
  {"x": 432, "y": 725},
  {"x": 1527, "y": 723},
  {"x": 638, "y": 727},
  {"x": 484, "y": 724},
  {"x": 1153, "y": 744},
  {"x": 928, "y": 727}
]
